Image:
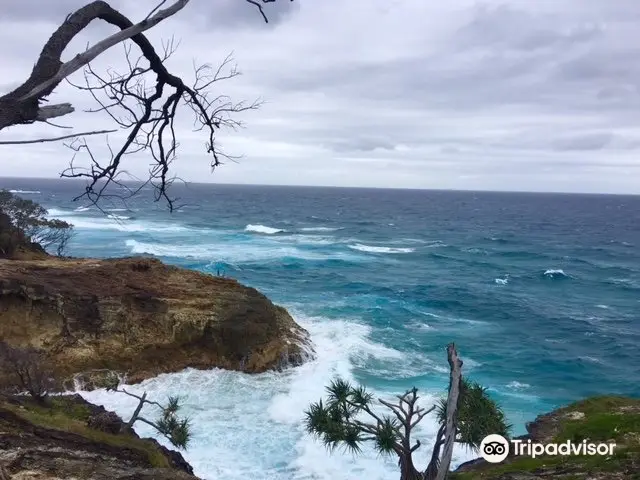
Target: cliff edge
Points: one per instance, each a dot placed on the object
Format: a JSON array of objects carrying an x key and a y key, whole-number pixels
[
  {"x": 140, "y": 317},
  {"x": 59, "y": 441}
]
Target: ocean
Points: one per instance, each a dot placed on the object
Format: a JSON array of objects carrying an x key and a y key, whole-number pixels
[{"x": 540, "y": 292}]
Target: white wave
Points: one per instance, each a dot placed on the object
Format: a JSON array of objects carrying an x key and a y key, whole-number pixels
[
  {"x": 117, "y": 209},
  {"x": 262, "y": 229},
  {"x": 419, "y": 326},
  {"x": 436, "y": 244},
  {"x": 305, "y": 239},
  {"x": 555, "y": 273},
  {"x": 230, "y": 252},
  {"x": 81, "y": 222},
  {"x": 118, "y": 217},
  {"x": 475, "y": 251},
  {"x": 319, "y": 229},
  {"x": 515, "y": 385},
  {"x": 82, "y": 209},
  {"x": 251, "y": 426},
  {"x": 372, "y": 249},
  {"x": 502, "y": 281},
  {"x": 589, "y": 359},
  {"x": 26, "y": 192},
  {"x": 606, "y": 307}
]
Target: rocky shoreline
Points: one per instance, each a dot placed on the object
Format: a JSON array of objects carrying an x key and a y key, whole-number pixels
[
  {"x": 135, "y": 317},
  {"x": 140, "y": 318},
  {"x": 68, "y": 439}
]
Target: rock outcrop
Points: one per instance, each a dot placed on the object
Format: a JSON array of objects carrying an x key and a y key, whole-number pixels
[
  {"x": 140, "y": 317},
  {"x": 597, "y": 420},
  {"x": 57, "y": 442}
]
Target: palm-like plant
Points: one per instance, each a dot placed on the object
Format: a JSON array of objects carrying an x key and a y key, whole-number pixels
[
  {"x": 174, "y": 428},
  {"x": 346, "y": 418}
]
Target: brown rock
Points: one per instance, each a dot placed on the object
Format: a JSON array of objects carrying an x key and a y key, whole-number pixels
[
  {"x": 108, "y": 422},
  {"x": 140, "y": 317},
  {"x": 32, "y": 451}
]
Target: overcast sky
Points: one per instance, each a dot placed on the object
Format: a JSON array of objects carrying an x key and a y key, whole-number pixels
[{"x": 540, "y": 95}]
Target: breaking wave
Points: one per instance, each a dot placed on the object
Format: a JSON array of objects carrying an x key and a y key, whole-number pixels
[
  {"x": 26, "y": 192},
  {"x": 262, "y": 229},
  {"x": 555, "y": 273},
  {"x": 373, "y": 249},
  {"x": 320, "y": 229}
]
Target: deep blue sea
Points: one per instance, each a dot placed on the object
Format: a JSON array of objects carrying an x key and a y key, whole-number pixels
[{"x": 541, "y": 293}]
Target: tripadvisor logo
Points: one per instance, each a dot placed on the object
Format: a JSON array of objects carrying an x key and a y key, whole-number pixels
[{"x": 495, "y": 448}]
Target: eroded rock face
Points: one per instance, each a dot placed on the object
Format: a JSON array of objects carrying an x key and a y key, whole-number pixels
[
  {"x": 32, "y": 451},
  {"x": 139, "y": 317}
]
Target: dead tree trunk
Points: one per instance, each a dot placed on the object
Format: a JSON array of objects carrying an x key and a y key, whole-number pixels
[
  {"x": 452, "y": 410},
  {"x": 136, "y": 412},
  {"x": 407, "y": 470}
]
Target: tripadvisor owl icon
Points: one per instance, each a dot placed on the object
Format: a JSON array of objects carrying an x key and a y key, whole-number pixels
[{"x": 494, "y": 448}]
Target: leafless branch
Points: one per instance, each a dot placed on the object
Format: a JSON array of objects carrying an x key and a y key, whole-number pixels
[
  {"x": 54, "y": 139},
  {"x": 260, "y": 8},
  {"x": 148, "y": 113},
  {"x": 145, "y": 108}
]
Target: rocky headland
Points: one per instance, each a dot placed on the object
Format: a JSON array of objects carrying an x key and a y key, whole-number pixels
[{"x": 140, "y": 318}]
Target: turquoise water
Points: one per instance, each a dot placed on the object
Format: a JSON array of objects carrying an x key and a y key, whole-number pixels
[{"x": 540, "y": 292}]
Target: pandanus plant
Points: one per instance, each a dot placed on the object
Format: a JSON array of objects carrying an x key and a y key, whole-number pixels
[{"x": 346, "y": 417}]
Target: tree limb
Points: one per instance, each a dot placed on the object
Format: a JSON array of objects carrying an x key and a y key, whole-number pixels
[
  {"x": 54, "y": 139},
  {"x": 22, "y": 105},
  {"x": 83, "y": 59},
  {"x": 52, "y": 111}
]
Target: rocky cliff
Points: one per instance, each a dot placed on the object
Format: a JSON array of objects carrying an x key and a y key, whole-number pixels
[
  {"x": 140, "y": 317},
  {"x": 596, "y": 420},
  {"x": 54, "y": 441}
]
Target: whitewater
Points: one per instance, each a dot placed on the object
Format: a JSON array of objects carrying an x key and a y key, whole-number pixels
[{"x": 383, "y": 280}]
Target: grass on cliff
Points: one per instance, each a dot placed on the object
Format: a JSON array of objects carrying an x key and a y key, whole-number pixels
[
  {"x": 68, "y": 416},
  {"x": 605, "y": 419}
]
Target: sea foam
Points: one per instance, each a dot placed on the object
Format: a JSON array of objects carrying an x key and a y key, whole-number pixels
[{"x": 252, "y": 426}]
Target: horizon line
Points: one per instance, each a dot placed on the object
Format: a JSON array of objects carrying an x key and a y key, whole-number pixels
[{"x": 346, "y": 187}]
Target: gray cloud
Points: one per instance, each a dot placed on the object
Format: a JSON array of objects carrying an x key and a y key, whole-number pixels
[
  {"x": 519, "y": 94},
  {"x": 25, "y": 10}
]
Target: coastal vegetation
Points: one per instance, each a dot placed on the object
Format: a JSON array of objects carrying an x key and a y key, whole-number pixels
[
  {"x": 348, "y": 417},
  {"x": 24, "y": 227}
]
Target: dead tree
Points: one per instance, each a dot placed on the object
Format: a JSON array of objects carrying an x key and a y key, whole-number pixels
[
  {"x": 28, "y": 368},
  {"x": 145, "y": 101},
  {"x": 174, "y": 428}
]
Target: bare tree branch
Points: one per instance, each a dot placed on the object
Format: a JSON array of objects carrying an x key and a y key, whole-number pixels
[
  {"x": 52, "y": 111},
  {"x": 260, "y": 9},
  {"x": 83, "y": 59},
  {"x": 146, "y": 109},
  {"x": 54, "y": 139}
]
